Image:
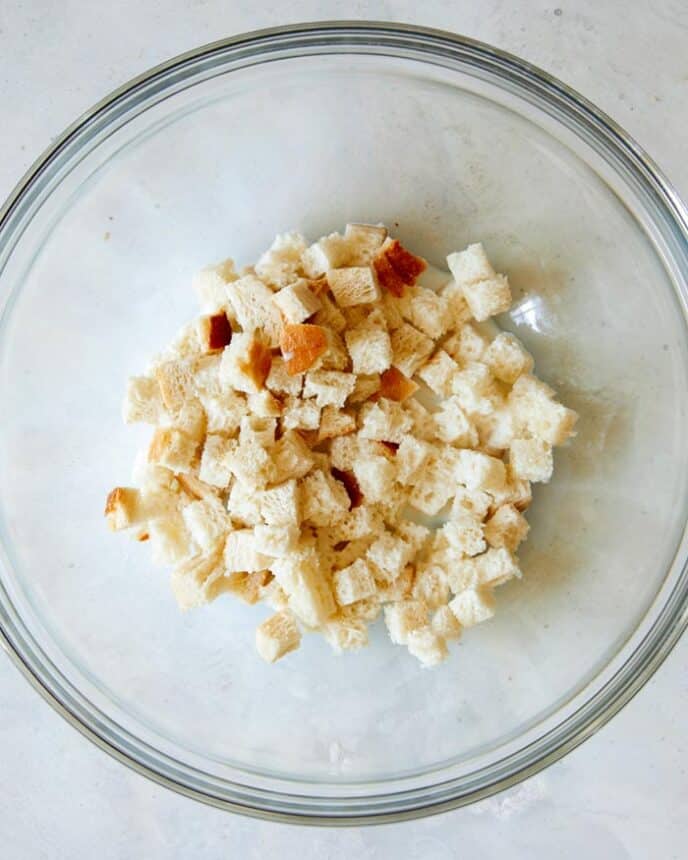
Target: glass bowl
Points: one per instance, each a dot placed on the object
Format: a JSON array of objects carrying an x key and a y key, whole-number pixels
[{"x": 448, "y": 141}]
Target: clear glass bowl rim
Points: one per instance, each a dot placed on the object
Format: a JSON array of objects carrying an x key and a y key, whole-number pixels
[{"x": 383, "y": 39}]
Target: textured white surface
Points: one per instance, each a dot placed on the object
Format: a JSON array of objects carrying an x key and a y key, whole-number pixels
[{"x": 623, "y": 793}]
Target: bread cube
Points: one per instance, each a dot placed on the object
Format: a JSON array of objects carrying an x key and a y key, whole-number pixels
[
  {"x": 329, "y": 387},
  {"x": 370, "y": 349},
  {"x": 329, "y": 316},
  {"x": 488, "y": 298},
  {"x": 214, "y": 331},
  {"x": 384, "y": 421},
  {"x": 327, "y": 253},
  {"x": 291, "y": 457},
  {"x": 124, "y": 508},
  {"x": 258, "y": 430},
  {"x": 478, "y": 471},
  {"x": 245, "y": 363},
  {"x": 176, "y": 383},
  {"x": 281, "y": 505},
  {"x": 252, "y": 464},
  {"x": 206, "y": 375},
  {"x": 277, "y": 636},
  {"x": 473, "y": 606},
  {"x": 302, "y": 344},
  {"x": 507, "y": 358},
  {"x": 430, "y": 585},
  {"x": 243, "y": 505},
  {"x": 274, "y": 596},
  {"x": 410, "y": 349},
  {"x": 464, "y": 535},
  {"x": 497, "y": 566},
  {"x": 364, "y": 241},
  {"x": 412, "y": 454},
  {"x": 281, "y": 263},
  {"x": 433, "y": 485},
  {"x": 194, "y": 581},
  {"x": 353, "y": 285},
  {"x": 507, "y": 527},
  {"x": 475, "y": 390},
  {"x": 357, "y": 523},
  {"x": 189, "y": 419},
  {"x": 438, "y": 372},
  {"x": 403, "y": 617},
  {"x": 247, "y": 587},
  {"x": 170, "y": 540},
  {"x": 224, "y": 413},
  {"x": 300, "y": 414},
  {"x": 276, "y": 541},
  {"x": 366, "y": 385},
  {"x": 536, "y": 413},
  {"x": 375, "y": 476},
  {"x": 264, "y": 404},
  {"x": 458, "y": 312},
  {"x": 446, "y": 624},
  {"x": 142, "y": 401},
  {"x": 466, "y": 345},
  {"x": 389, "y": 554},
  {"x": 253, "y": 308},
  {"x": 426, "y": 310},
  {"x": 207, "y": 523},
  {"x": 453, "y": 425},
  {"x": 389, "y": 305},
  {"x": 424, "y": 644},
  {"x": 310, "y": 594},
  {"x": 473, "y": 503},
  {"x": 297, "y": 302},
  {"x": 280, "y": 381},
  {"x": 324, "y": 499},
  {"x": 335, "y": 422},
  {"x": 345, "y": 634},
  {"x": 396, "y": 267},
  {"x": 241, "y": 553},
  {"x": 470, "y": 265},
  {"x": 173, "y": 449},
  {"x": 414, "y": 534},
  {"x": 531, "y": 460},
  {"x": 210, "y": 285},
  {"x": 423, "y": 422},
  {"x": 354, "y": 582}
]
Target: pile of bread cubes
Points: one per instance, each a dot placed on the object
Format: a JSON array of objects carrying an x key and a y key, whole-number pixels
[{"x": 338, "y": 437}]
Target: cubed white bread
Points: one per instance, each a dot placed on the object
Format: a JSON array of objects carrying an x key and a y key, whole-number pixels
[
  {"x": 344, "y": 451},
  {"x": 466, "y": 345},
  {"x": 335, "y": 422},
  {"x": 297, "y": 302},
  {"x": 488, "y": 298},
  {"x": 243, "y": 505},
  {"x": 536, "y": 413},
  {"x": 375, "y": 476},
  {"x": 412, "y": 455},
  {"x": 274, "y": 596},
  {"x": 410, "y": 349},
  {"x": 247, "y": 587},
  {"x": 426, "y": 310},
  {"x": 252, "y": 464},
  {"x": 389, "y": 306},
  {"x": 329, "y": 387},
  {"x": 347, "y": 555},
  {"x": 281, "y": 505},
  {"x": 430, "y": 584},
  {"x": 507, "y": 527},
  {"x": 478, "y": 471},
  {"x": 392, "y": 507},
  {"x": 291, "y": 456},
  {"x": 330, "y": 252},
  {"x": 173, "y": 449},
  {"x": 423, "y": 423},
  {"x": 470, "y": 265},
  {"x": 370, "y": 349},
  {"x": 142, "y": 401},
  {"x": 176, "y": 383},
  {"x": 241, "y": 553},
  {"x": 357, "y": 314},
  {"x": 170, "y": 540},
  {"x": 310, "y": 593},
  {"x": 438, "y": 372},
  {"x": 507, "y": 358},
  {"x": 414, "y": 534},
  {"x": 355, "y": 582},
  {"x": 237, "y": 368},
  {"x": 453, "y": 425},
  {"x": 496, "y": 566},
  {"x": 264, "y": 404},
  {"x": 424, "y": 644},
  {"x": 206, "y": 375},
  {"x": 475, "y": 389},
  {"x": 124, "y": 508},
  {"x": 189, "y": 419},
  {"x": 531, "y": 460},
  {"x": 300, "y": 414},
  {"x": 433, "y": 486},
  {"x": 495, "y": 430},
  {"x": 253, "y": 307},
  {"x": 446, "y": 624},
  {"x": 353, "y": 285},
  {"x": 276, "y": 541},
  {"x": 207, "y": 522},
  {"x": 210, "y": 285},
  {"x": 464, "y": 535},
  {"x": 365, "y": 387},
  {"x": 357, "y": 523},
  {"x": 458, "y": 312},
  {"x": 335, "y": 356},
  {"x": 329, "y": 316},
  {"x": 194, "y": 581},
  {"x": 364, "y": 241},
  {"x": 258, "y": 430},
  {"x": 384, "y": 420},
  {"x": 150, "y": 477},
  {"x": 224, "y": 413},
  {"x": 403, "y": 617},
  {"x": 280, "y": 381},
  {"x": 281, "y": 263},
  {"x": 277, "y": 636},
  {"x": 185, "y": 346},
  {"x": 324, "y": 499},
  {"x": 474, "y": 503},
  {"x": 389, "y": 554},
  {"x": 345, "y": 634},
  {"x": 473, "y": 606}
]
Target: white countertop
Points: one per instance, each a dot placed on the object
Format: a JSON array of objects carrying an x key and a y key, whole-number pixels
[{"x": 625, "y": 791}]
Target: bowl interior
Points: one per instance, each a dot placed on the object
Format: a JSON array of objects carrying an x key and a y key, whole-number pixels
[{"x": 101, "y": 279}]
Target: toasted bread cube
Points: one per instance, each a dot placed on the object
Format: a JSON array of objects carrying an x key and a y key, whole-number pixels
[
  {"x": 281, "y": 505},
  {"x": 536, "y": 413},
  {"x": 473, "y": 606},
  {"x": 124, "y": 508},
  {"x": 280, "y": 381},
  {"x": 423, "y": 422},
  {"x": 344, "y": 451},
  {"x": 353, "y": 285},
  {"x": 495, "y": 430},
  {"x": 427, "y": 646},
  {"x": 297, "y": 302},
  {"x": 329, "y": 315},
  {"x": 364, "y": 241},
  {"x": 360, "y": 314},
  {"x": 224, "y": 413},
  {"x": 384, "y": 421},
  {"x": 430, "y": 585},
  {"x": 403, "y": 617},
  {"x": 438, "y": 373},
  {"x": 475, "y": 389},
  {"x": 325, "y": 500},
  {"x": 414, "y": 534},
  {"x": 389, "y": 305},
  {"x": 400, "y": 589},
  {"x": 357, "y": 523},
  {"x": 470, "y": 265},
  {"x": 300, "y": 414},
  {"x": 335, "y": 422},
  {"x": 478, "y": 471},
  {"x": 458, "y": 312},
  {"x": 276, "y": 541},
  {"x": 346, "y": 634},
  {"x": 395, "y": 386},
  {"x": 252, "y": 464},
  {"x": 396, "y": 267},
  {"x": 462, "y": 574},
  {"x": 175, "y": 382},
  {"x": 453, "y": 425},
  {"x": 446, "y": 624},
  {"x": 172, "y": 449},
  {"x": 433, "y": 486},
  {"x": 375, "y": 476},
  {"x": 497, "y": 566},
  {"x": 241, "y": 553},
  {"x": 189, "y": 419},
  {"x": 507, "y": 358},
  {"x": 366, "y": 386},
  {"x": 194, "y": 581},
  {"x": 143, "y": 401},
  {"x": 210, "y": 285},
  {"x": 280, "y": 264},
  {"x": 207, "y": 523},
  {"x": 215, "y": 460},
  {"x": 389, "y": 554},
  {"x": 243, "y": 505},
  {"x": 310, "y": 594},
  {"x": 206, "y": 375},
  {"x": 258, "y": 430},
  {"x": 466, "y": 345},
  {"x": 277, "y": 636},
  {"x": 252, "y": 304},
  {"x": 302, "y": 344},
  {"x": 410, "y": 349},
  {"x": 507, "y": 527},
  {"x": 335, "y": 356},
  {"x": 464, "y": 535},
  {"x": 264, "y": 404},
  {"x": 370, "y": 349},
  {"x": 354, "y": 550},
  {"x": 531, "y": 460},
  {"x": 426, "y": 310},
  {"x": 473, "y": 503},
  {"x": 245, "y": 363},
  {"x": 327, "y": 253},
  {"x": 488, "y": 298},
  {"x": 355, "y": 582},
  {"x": 214, "y": 331},
  {"x": 170, "y": 540},
  {"x": 412, "y": 455},
  {"x": 291, "y": 456},
  {"x": 329, "y": 387}
]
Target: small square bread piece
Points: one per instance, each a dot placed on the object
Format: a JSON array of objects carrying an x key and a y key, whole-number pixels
[
  {"x": 403, "y": 617},
  {"x": 355, "y": 285},
  {"x": 410, "y": 349},
  {"x": 370, "y": 349},
  {"x": 473, "y": 606},
  {"x": 531, "y": 460},
  {"x": 355, "y": 582},
  {"x": 277, "y": 636},
  {"x": 425, "y": 644},
  {"x": 297, "y": 302}
]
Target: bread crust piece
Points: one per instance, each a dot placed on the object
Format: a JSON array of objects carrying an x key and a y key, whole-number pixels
[{"x": 302, "y": 344}]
